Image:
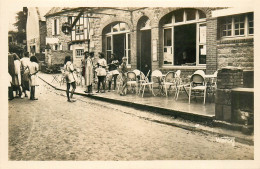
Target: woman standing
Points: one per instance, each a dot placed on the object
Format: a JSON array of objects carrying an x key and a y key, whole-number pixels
[
  {"x": 113, "y": 64},
  {"x": 17, "y": 77},
  {"x": 33, "y": 70},
  {"x": 88, "y": 72},
  {"x": 70, "y": 79},
  {"x": 101, "y": 72},
  {"x": 25, "y": 61}
]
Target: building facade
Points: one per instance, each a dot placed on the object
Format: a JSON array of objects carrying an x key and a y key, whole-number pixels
[
  {"x": 36, "y": 31},
  {"x": 185, "y": 39}
]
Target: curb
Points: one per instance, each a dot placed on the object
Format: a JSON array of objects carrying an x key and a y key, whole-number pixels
[{"x": 164, "y": 111}]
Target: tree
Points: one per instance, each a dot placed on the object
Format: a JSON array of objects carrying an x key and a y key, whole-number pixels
[{"x": 20, "y": 23}]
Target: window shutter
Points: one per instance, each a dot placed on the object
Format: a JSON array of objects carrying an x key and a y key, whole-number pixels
[
  {"x": 58, "y": 26},
  {"x": 52, "y": 27},
  {"x": 60, "y": 46}
]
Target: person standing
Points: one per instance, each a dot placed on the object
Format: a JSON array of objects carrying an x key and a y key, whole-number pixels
[
  {"x": 101, "y": 72},
  {"x": 88, "y": 71},
  {"x": 17, "y": 77},
  {"x": 113, "y": 64},
  {"x": 11, "y": 72},
  {"x": 70, "y": 79},
  {"x": 25, "y": 61},
  {"x": 124, "y": 76},
  {"x": 33, "y": 70}
]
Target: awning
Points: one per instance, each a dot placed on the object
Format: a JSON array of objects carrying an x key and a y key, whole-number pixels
[
  {"x": 52, "y": 40},
  {"x": 232, "y": 11}
]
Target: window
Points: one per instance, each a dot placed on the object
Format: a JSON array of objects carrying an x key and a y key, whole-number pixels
[
  {"x": 250, "y": 23},
  {"x": 81, "y": 30},
  {"x": 237, "y": 26},
  {"x": 184, "y": 38},
  {"x": 79, "y": 52},
  {"x": 55, "y": 27},
  {"x": 118, "y": 41},
  {"x": 227, "y": 27}
]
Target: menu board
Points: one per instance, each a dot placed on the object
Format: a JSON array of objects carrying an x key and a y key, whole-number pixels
[
  {"x": 154, "y": 45},
  {"x": 202, "y": 34}
]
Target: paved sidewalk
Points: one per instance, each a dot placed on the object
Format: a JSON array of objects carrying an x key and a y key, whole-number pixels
[
  {"x": 168, "y": 104},
  {"x": 196, "y": 112}
]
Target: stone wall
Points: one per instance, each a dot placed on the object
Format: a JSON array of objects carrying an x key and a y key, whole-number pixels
[
  {"x": 56, "y": 57},
  {"x": 43, "y": 34},
  {"x": 238, "y": 53},
  {"x": 228, "y": 78},
  {"x": 63, "y": 38}
]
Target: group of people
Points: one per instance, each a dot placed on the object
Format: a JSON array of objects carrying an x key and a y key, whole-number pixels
[
  {"x": 89, "y": 70},
  {"x": 22, "y": 75}
]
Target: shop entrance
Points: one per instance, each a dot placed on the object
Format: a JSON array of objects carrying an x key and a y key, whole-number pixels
[
  {"x": 185, "y": 44},
  {"x": 119, "y": 46},
  {"x": 144, "y": 62}
]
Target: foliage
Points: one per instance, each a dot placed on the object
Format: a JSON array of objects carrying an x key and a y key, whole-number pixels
[{"x": 21, "y": 21}]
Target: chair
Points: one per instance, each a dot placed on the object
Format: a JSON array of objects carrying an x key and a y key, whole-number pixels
[
  {"x": 200, "y": 72},
  {"x": 197, "y": 85},
  {"x": 137, "y": 72},
  {"x": 119, "y": 82},
  {"x": 78, "y": 76},
  {"x": 62, "y": 80},
  {"x": 145, "y": 82},
  {"x": 131, "y": 80},
  {"x": 156, "y": 77},
  {"x": 169, "y": 81}
]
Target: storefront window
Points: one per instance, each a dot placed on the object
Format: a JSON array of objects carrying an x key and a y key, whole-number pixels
[
  {"x": 185, "y": 39},
  {"x": 118, "y": 41},
  {"x": 190, "y": 14},
  {"x": 179, "y": 16}
]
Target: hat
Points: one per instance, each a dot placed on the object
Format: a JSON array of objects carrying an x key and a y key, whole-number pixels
[{"x": 124, "y": 58}]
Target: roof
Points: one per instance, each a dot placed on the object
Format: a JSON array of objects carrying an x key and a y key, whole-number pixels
[
  {"x": 41, "y": 12},
  {"x": 54, "y": 10}
]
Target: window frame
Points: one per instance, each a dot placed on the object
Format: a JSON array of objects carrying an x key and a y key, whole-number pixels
[
  {"x": 233, "y": 29},
  {"x": 127, "y": 35},
  {"x": 81, "y": 53},
  {"x": 198, "y": 21}
]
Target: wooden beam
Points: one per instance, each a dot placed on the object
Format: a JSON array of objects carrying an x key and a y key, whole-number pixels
[{"x": 77, "y": 18}]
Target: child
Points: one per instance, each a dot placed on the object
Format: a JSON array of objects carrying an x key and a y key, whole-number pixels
[
  {"x": 33, "y": 70},
  {"x": 70, "y": 79}
]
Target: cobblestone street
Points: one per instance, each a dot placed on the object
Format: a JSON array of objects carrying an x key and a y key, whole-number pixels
[{"x": 54, "y": 129}]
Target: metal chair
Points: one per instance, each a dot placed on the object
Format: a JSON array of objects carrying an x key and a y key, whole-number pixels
[
  {"x": 146, "y": 82},
  {"x": 169, "y": 81},
  {"x": 156, "y": 78},
  {"x": 197, "y": 86},
  {"x": 131, "y": 81}
]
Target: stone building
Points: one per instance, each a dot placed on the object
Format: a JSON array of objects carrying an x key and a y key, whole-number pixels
[
  {"x": 35, "y": 30},
  {"x": 185, "y": 39}
]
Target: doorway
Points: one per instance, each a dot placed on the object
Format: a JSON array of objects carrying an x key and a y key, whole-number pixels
[
  {"x": 144, "y": 62},
  {"x": 119, "y": 46},
  {"x": 185, "y": 44}
]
